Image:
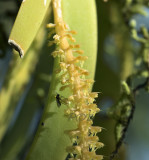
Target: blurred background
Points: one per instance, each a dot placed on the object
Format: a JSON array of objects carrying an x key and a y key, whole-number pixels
[{"x": 120, "y": 57}]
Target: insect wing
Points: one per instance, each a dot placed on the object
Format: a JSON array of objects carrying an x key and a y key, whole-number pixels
[{"x": 58, "y": 102}]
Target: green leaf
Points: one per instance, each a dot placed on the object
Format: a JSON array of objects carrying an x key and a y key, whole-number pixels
[
  {"x": 51, "y": 141},
  {"x": 26, "y": 26}
]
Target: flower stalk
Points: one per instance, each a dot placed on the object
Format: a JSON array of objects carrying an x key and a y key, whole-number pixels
[{"x": 84, "y": 139}]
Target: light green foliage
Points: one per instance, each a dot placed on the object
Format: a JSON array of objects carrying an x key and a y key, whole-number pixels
[{"x": 26, "y": 26}]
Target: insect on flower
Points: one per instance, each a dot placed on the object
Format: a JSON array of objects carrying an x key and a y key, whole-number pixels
[
  {"x": 42, "y": 123},
  {"x": 60, "y": 101}
]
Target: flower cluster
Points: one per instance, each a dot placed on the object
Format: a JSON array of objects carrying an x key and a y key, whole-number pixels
[{"x": 84, "y": 139}]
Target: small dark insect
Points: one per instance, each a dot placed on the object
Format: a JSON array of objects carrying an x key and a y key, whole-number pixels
[
  {"x": 58, "y": 100},
  {"x": 42, "y": 124}
]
